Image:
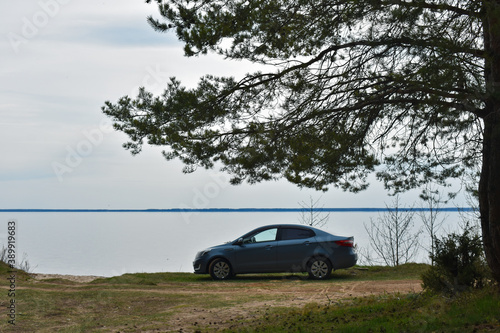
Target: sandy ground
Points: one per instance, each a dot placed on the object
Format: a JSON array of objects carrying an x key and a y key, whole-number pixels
[
  {"x": 287, "y": 295},
  {"x": 75, "y": 278}
]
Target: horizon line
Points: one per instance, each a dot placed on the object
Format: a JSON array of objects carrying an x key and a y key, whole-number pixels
[{"x": 227, "y": 210}]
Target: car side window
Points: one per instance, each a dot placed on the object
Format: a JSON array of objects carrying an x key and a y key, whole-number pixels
[
  {"x": 263, "y": 236},
  {"x": 296, "y": 233}
]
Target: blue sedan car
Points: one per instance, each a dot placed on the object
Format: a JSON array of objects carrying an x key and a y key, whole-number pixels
[{"x": 278, "y": 248}]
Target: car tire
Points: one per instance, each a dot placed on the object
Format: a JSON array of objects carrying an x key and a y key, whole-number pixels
[
  {"x": 220, "y": 269},
  {"x": 319, "y": 268}
]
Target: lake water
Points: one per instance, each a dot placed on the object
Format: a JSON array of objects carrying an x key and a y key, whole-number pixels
[{"x": 114, "y": 243}]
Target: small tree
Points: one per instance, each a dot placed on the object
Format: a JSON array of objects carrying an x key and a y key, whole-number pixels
[
  {"x": 459, "y": 263},
  {"x": 430, "y": 218},
  {"x": 392, "y": 236},
  {"x": 311, "y": 215}
]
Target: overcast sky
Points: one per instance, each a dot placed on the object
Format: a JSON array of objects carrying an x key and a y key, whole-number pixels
[{"x": 61, "y": 59}]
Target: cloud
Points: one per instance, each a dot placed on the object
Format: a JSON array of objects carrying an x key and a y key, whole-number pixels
[
  {"x": 69, "y": 57},
  {"x": 101, "y": 22},
  {"x": 119, "y": 35}
]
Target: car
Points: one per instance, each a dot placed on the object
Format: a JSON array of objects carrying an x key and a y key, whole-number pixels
[{"x": 277, "y": 249}]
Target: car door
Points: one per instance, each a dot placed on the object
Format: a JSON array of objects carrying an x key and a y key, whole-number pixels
[
  {"x": 295, "y": 247},
  {"x": 257, "y": 252}
]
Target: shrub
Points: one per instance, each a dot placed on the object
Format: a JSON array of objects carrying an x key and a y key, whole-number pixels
[{"x": 459, "y": 263}]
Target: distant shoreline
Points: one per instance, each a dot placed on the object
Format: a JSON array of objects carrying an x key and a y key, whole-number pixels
[{"x": 230, "y": 210}]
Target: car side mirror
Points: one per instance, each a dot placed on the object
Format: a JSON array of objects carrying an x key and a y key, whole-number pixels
[{"x": 239, "y": 241}]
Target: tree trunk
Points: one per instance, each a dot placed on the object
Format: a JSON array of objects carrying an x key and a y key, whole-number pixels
[
  {"x": 489, "y": 194},
  {"x": 489, "y": 184}
]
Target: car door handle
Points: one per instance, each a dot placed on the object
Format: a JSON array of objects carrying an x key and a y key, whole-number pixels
[
  {"x": 268, "y": 247},
  {"x": 306, "y": 243}
]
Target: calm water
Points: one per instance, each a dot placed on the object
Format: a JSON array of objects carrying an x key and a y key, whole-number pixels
[{"x": 114, "y": 243}]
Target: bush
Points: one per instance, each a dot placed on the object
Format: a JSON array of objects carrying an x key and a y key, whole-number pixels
[{"x": 459, "y": 263}]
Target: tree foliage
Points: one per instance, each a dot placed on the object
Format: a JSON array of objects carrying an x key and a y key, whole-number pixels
[
  {"x": 355, "y": 84},
  {"x": 407, "y": 88}
]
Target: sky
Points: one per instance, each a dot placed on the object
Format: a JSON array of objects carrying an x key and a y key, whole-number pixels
[{"x": 61, "y": 60}]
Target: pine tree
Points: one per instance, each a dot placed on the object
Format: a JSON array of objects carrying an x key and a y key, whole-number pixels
[{"x": 345, "y": 85}]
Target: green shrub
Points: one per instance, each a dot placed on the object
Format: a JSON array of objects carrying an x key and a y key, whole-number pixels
[{"x": 459, "y": 263}]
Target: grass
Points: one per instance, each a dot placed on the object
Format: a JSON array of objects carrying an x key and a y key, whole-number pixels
[
  {"x": 357, "y": 273},
  {"x": 410, "y": 271},
  {"x": 86, "y": 309},
  {"x": 163, "y": 301},
  {"x": 151, "y": 279},
  {"x": 6, "y": 271},
  {"x": 477, "y": 311}
]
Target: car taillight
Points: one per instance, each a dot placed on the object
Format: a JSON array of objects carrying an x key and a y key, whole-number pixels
[{"x": 345, "y": 242}]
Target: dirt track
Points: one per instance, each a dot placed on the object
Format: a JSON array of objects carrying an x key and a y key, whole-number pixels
[
  {"x": 291, "y": 293},
  {"x": 291, "y": 296}
]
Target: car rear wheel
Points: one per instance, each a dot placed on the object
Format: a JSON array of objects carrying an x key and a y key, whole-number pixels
[
  {"x": 319, "y": 268},
  {"x": 220, "y": 269}
]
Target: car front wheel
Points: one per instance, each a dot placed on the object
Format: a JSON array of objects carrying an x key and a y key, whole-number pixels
[
  {"x": 319, "y": 268},
  {"x": 220, "y": 269}
]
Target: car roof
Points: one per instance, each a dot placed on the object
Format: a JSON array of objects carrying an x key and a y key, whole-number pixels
[
  {"x": 300, "y": 226},
  {"x": 317, "y": 231},
  {"x": 284, "y": 225}
]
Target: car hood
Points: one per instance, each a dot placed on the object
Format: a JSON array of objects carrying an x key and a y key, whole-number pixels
[{"x": 219, "y": 247}]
